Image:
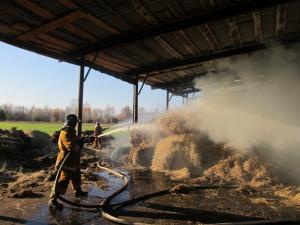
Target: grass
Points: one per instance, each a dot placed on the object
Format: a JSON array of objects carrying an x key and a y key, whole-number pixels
[{"x": 48, "y": 128}]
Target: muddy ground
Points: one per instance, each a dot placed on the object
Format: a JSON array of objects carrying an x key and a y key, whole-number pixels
[
  {"x": 25, "y": 186},
  {"x": 208, "y": 206}
]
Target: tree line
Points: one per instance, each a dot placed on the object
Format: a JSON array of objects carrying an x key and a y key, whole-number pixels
[{"x": 47, "y": 114}]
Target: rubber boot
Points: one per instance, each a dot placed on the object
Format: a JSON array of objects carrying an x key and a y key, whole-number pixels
[
  {"x": 53, "y": 204},
  {"x": 80, "y": 193}
]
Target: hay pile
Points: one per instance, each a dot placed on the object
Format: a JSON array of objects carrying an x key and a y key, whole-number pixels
[
  {"x": 184, "y": 152},
  {"x": 239, "y": 168},
  {"x": 179, "y": 154},
  {"x": 172, "y": 124},
  {"x": 142, "y": 150}
]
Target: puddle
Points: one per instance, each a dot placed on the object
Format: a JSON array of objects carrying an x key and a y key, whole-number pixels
[{"x": 141, "y": 182}]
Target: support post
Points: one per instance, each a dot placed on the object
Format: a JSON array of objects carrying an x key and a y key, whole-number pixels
[
  {"x": 80, "y": 96},
  {"x": 168, "y": 100},
  {"x": 186, "y": 99},
  {"x": 135, "y": 101}
]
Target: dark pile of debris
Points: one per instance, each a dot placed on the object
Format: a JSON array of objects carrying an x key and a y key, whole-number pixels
[{"x": 13, "y": 142}]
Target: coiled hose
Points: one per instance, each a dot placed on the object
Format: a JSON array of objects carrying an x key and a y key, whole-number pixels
[{"x": 105, "y": 207}]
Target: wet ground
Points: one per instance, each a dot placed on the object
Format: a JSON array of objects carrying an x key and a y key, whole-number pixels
[{"x": 209, "y": 206}]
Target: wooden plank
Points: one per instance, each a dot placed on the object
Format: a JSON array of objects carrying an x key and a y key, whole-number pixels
[
  {"x": 119, "y": 18},
  {"x": 46, "y": 37},
  {"x": 18, "y": 12},
  {"x": 60, "y": 22},
  {"x": 69, "y": 4},
  {"x": 43, "y": 13},
  {"x": 176, "y": 10},
  {"x": 281, "y": 19},
  {"x": 181, "y": 35},
  {"x": 257, "y": 26},
  {"x": 7, "y": 29},
  {"x": 145, "y": 13},
  {"x": 101, "y": 24},
  {"x": 49, "y": 46},
  {"x": 187, "y": 43},
  {"x": 80, "y": 33},
  {"x": 117, "y": 61},
  {"x": 172, "y": 51},
  {"x": 234, "y": 32},
  {"x": 209, "y": 37},
  {"x": 29, "y": 5},
  {"x": 202, "y": 3},
  {"x": 67, "y": 45},
  {"x": 109, "y": 65}
]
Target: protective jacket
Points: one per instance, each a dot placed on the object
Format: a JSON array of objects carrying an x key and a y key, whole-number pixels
[
  {"x": 97, "y": 130},
  {"x": 68, "y": 142}
]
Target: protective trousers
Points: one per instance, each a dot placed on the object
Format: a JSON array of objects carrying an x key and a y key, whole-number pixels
[{"x": 66, "y": 176}]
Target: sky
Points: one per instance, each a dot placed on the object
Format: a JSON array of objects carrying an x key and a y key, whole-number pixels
[{"x": 28, "y": 79}]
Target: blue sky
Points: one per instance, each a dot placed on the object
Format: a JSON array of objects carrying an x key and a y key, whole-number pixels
[{"x": 30, "y": 79}]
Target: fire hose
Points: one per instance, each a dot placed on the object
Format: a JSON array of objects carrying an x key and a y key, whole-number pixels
[{"x": 106, "y": 208}]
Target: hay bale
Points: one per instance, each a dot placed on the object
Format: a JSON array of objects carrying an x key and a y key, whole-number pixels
[
  {"x": 142, "y": 156},
  {"x": 175, "y": 153},
  {"x": 140, "y": 137},
  {"x": 172, "y": 123},
  {"x": 143, "y": 144}
]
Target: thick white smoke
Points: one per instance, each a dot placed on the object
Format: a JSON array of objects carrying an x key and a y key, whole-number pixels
[{"x": 253, "y": 103}]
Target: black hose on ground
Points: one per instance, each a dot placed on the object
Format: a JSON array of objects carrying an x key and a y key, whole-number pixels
[{"x": 106, "y": 207}]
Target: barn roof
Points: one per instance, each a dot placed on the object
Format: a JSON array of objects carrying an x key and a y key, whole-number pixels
[{"x": 165, "y": 43}]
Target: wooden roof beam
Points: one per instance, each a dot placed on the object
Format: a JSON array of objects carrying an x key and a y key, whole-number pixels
[
  {"x": 54, "y": 24},
  {"x": 281, "y": 19},
  {"x": 183, "y": 82},
  {"x": 234, "y": 32},
  {"x": 43, "y": 13},
  {"x": 257, "y": 26},
  {"x": 178, "y": 12},
  {"x": 149, "y": 18},
  {"x": 206, "y": 17},
  {"x": 209, "y": 56},
  {"x": 64, "y": 21},
  {"x": 119, "y": 18}
]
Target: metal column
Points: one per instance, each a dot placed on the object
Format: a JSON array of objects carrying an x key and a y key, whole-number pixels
[
  {"x": 80, "y": 96},
  {"x": 168, "y": 100},
  {"x": 135, "y": 101}
]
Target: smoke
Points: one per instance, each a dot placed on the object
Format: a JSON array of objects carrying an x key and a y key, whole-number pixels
[{"x": 252, "y": 103}]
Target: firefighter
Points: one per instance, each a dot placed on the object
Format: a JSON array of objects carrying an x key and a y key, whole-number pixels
[
  {"x": 68, "y": 142},
  {"x": 97, "y": 132}
]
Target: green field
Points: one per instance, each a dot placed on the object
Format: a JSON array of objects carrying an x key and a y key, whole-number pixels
[{"x": 48, "y": 128}]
